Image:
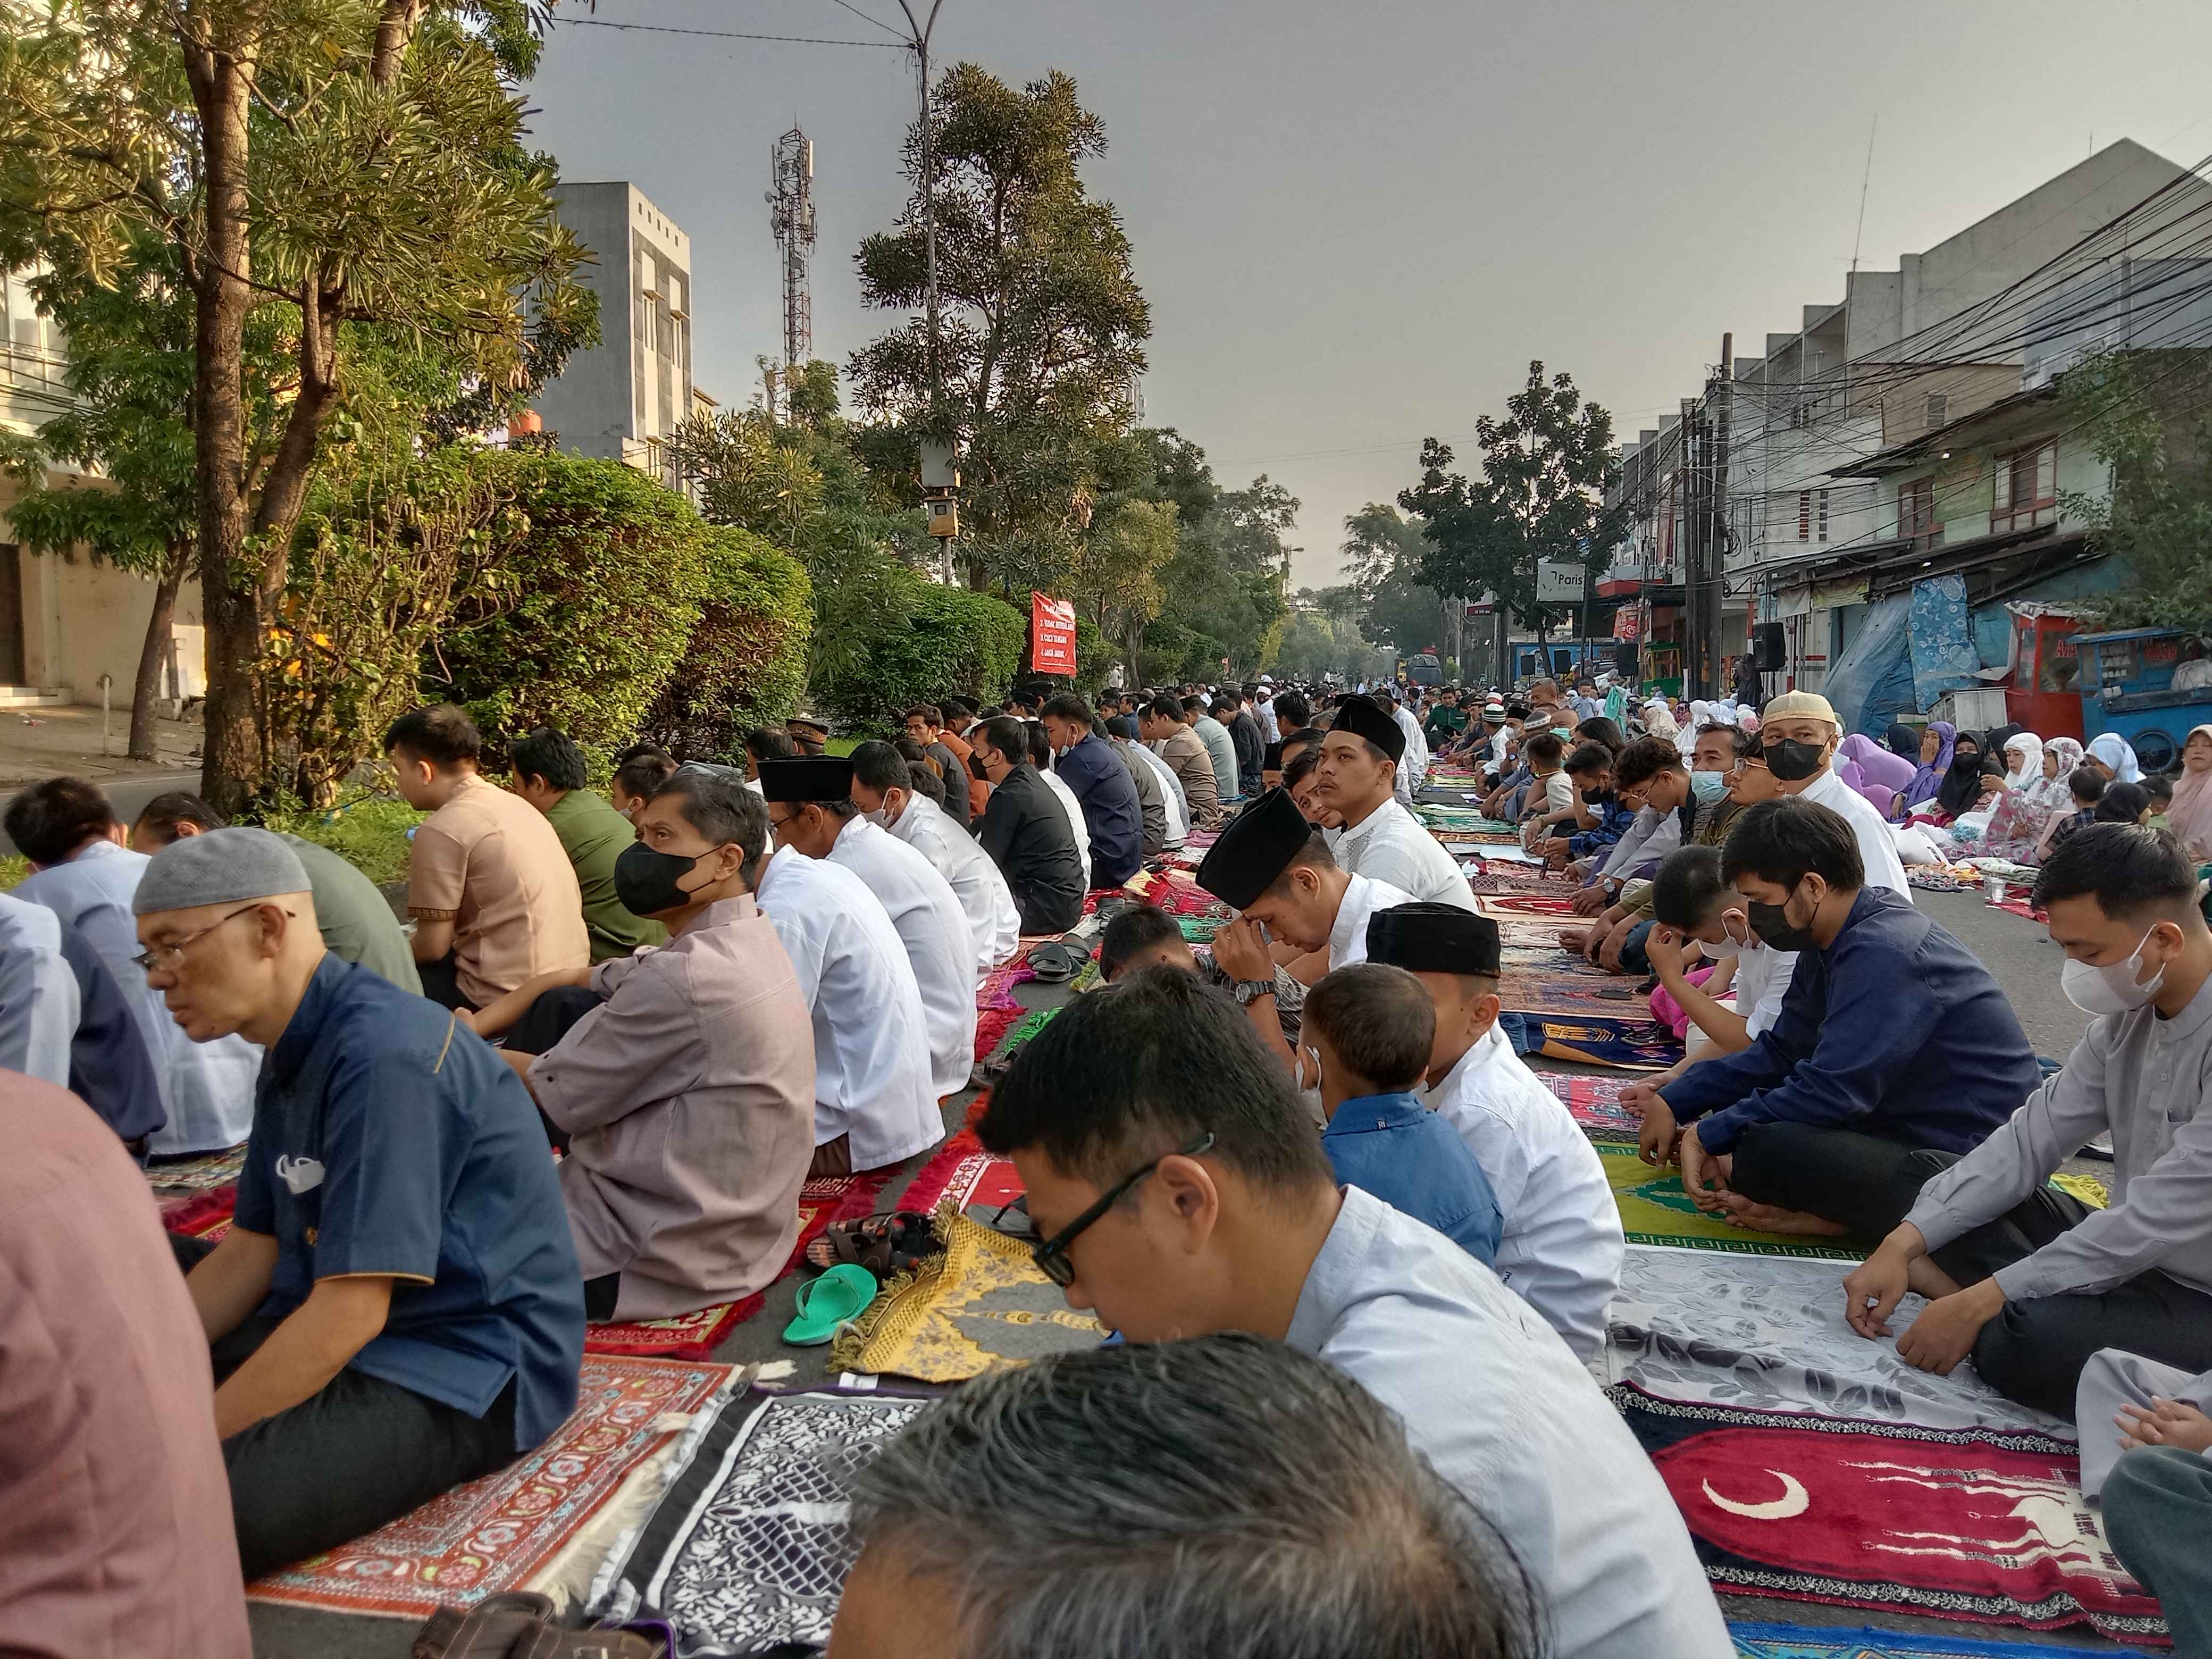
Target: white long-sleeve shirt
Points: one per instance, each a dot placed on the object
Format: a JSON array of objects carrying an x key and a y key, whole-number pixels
[
  {"x": 983, "y": 894},
  {"x": 871, "y": 1066},
  {"x": 1172, "y": 801},
  {"x": 1074, "y": 808},
  {"x": 1390, "y": 844},
  {"x": 1362, "y": 897},
  {"x": 1561, "y": 1244},
  {"x": 938, "y": 942},
  {"x": 1877, "y": 843}
]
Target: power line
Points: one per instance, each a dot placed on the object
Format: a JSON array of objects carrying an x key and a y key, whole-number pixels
[
  {"x": 865, "y": 18},
  {"x": 727, "y": 35}
]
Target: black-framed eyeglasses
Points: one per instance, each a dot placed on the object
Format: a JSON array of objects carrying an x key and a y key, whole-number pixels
[
  {"x": 171, "y": 956},
  {"x": 1051, "y": 1254}
]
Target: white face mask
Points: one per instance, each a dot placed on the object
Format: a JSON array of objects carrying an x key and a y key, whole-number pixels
[
  {"x": 1728, "y": 945},
  {"x": 2110, "y": 989},
  {"x": 880, "y": 818}
]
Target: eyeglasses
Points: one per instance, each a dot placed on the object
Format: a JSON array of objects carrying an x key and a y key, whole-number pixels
[
  {"x": 1051, "y": 1255},
  {"x": 1747, "y": 761},
  {"x": 168, "y": 957}
]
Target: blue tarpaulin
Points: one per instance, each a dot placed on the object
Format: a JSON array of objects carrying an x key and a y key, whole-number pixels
[
  {"x": 1872, "y": 682},
  {"x": 1943, "y": 658}
]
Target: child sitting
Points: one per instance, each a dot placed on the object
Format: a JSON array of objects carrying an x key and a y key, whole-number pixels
[
  {"x": 2085, "y": 785},
  {"x": 1369, "y": 1030}
]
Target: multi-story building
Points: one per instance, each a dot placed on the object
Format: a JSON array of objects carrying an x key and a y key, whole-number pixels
[{"x": 619, "y": 400}]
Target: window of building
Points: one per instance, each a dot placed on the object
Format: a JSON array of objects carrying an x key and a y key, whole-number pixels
[
  {"x": 1821, "y": 514},
  {"x": 2026, "y": 488},
  {"x": 1934, "y": 410},
  {"x": 1804, "y": 515},
  {"x": 1916, "y": 507}
]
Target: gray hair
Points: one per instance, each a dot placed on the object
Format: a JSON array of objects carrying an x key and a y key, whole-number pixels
[
  {"x": 1222, "y": 1497},
  {"x": 716, "y": 801}
]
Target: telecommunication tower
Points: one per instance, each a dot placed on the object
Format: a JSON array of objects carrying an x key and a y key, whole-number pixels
[{"x": 792, "y": 218}]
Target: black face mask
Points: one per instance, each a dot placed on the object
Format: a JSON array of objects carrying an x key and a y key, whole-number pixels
[
  {"x": 975, "y": 767},
  {"x": 1773, "y": 924},
  {"x": 647, "y": 882},
  {"x": 1791, "y": 761}
]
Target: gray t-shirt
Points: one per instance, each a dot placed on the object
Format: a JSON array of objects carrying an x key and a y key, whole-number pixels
[{"x": 357, "y": 922}]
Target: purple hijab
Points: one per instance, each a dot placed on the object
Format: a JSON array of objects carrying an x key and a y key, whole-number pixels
[
  {"x": 1875, "y": 763},
  {"x": 1927, "y": 778}
]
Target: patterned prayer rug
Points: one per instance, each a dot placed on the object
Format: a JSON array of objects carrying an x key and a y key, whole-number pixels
[
  {"x": 202, "y": 1214},
  {"x": 963, "y": 1174},
  {"x": 821, "y": 1200},
  {"x": 1806, "y": 1641},
  {"x": 748, "y": 1548},
  {"x": 1770, "y": 1335},
  {"x": 1531, "y": 904},
  {"x": 492, "y": 1534},
  {"x": 1462, "y": 820},
  {"x": 1176, "y": 893},
  {"x": 1573, "y": 988},
  {"x": 198, "y": 1175},
  {"x": 981, "y": 1304},
  {"x": 1594, "y": 1103},
  {"x": 996, "y": 990},
  {"x": 1655, "y": 1209},
  {"x": 1628, "y": 1045},
  {"x": 1977, "y": 1523},
  {"x": 1534, "y": 932}
]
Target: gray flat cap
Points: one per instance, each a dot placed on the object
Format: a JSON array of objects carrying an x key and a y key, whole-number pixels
[{"x": 220, "y": 867}]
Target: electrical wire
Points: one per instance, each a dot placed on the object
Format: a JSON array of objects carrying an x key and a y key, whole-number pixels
[{"x": 727, "y": 35}]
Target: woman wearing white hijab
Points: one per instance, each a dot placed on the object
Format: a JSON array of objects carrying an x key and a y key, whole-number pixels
[
  {"x": 1659, "y": 720},
  {"x": 2023, "y": 760},
  {"x": 2119, "y": 759}
]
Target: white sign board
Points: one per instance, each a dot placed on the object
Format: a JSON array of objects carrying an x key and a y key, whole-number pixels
[{"x": 1558, "y": 582}]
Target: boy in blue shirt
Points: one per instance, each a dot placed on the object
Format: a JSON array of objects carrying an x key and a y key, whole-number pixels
[{"x": 1371, "y": 1029}]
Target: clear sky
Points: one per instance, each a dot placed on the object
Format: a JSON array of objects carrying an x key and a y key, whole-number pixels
[{"x": 1358, "y": 222}]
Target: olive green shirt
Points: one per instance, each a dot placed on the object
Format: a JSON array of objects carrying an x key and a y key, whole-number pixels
[
  {"x": 358, "y": 922},
  {"x": 593, "y": 835}
]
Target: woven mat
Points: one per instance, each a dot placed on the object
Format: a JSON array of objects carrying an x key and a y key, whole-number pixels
[
  {"x": 1805, "y": 1641},
  {"x": 1594, "y": 1103},
  {"x": 1571, "y": 987},
  {"x": 1976, "y": 1523},
  {"x": 981, "y": 1304},
  {"x": 493, "y": 1534},
  {"x": 1622, "y": 1043},
  {"x": 1532, "y": 904},
  {"x": 1655, "y": 1210},
  {"x": 198, "y": 1175}
]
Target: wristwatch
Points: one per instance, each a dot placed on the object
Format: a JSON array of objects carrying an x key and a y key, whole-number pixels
[{"x": 1250, "y": 991}]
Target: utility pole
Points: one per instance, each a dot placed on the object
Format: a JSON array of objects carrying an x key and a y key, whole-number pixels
[
  {"x": 918, "y": 35},
  {"x": 1717, "y": 556},
  {"x": 1696, "y": 521}
]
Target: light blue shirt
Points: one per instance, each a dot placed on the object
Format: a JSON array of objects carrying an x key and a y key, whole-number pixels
[
  {"x": 38, "y": 993},
  {"x": 207, "y": 1088},
  {"x": 1222, "y": 751},
  {"x": 1492, "y": 1398}
]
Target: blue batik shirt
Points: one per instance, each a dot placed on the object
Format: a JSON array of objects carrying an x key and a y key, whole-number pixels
[{"x": 1397, "y": 1149}]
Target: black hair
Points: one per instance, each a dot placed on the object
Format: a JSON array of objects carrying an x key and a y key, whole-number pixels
[
  {"x": 928, "y": 713},
  {"x": 1688, "y": 888},
  {"x": 1784, "y": 841},
  {"x": 720, "y": 806},
  {"x": 1292, "y": 708},
  {"x": 164, "y": 813},
  {"x": 1006, "y": 736},
  {"x": 443, "y": 735},
  {"x": 1598, "y": 729},
  {"x": 1066, "y": 706},
  {"x": 1380, "y": 1023},
  {"x": 1301, "y": 766},
  {"x": 2086, "y": 785},
  {"x": 1136, "y": 930},
  {"x": 1040, "y": 744},
  {"x": 548, "y": 754},
  {"x": 2158, "y": 786},
  {"x": 2122, "y": 803},
  {"x": 1123, "y": 726},
  {"x": 1589, "y": 758},
  {"x": 909, "y": 750},
  {"x": 642, "y": 776},
  {"x": 2129, "y": 869},
  {"x": 1544, "y": 747},
  {"x": 922, "y": 779},
  {"x": 1165, "y": 707},
  {"x": 879, "y": 766},
  {"x": 49, "y": 821},
  {"x": 1143, "y": 1067},
  {"x": 1194, "y": 705},
  {"x": 1222, "y": 706},
  {"x": 1645, "y": 759},
  {"x": 763, "y": 743}
]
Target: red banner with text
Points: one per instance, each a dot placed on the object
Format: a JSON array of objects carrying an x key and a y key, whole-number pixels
[{"x": 1052, "y": 635}]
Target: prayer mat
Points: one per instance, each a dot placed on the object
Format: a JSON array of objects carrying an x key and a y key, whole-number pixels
[
  {"x": 1535, "y": 930},
  {"x": 1976, "y": 1523},
  {"x": 1808, "y": 1642},
  {"x": 198, "y": 1173},
  {"x": 997, "y": 988},
  {"x": 1594, "y": 1103},
  {"x": 1176, "y": 894},
  {"x": 1466, "y": 820},
  {"x": 1583, "y": 992},
  {"x": 992, "y": 1025},
  {"x": 748, "y": 1547},
  {"x": 1478, "y": 837},
  {"x": 1531, "y": 904},
  {"x": 2020, "y": 907},
  {"x": 1655, "y": 1209},
  {"x": 493, "y": 1534},
  {"x": 981, "y": 1304},
  {"x": 965, "y": 1175},
  {"x": 822, "y": 1200},
  {"x": 204, "y": 1215},
  {"x": 1932, "y": 878},
  {"x": 1770, "y": 1335},
  {"x": 1628, "y": 1045}
]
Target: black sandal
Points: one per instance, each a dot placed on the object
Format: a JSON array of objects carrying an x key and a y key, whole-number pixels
[{"x": 883, "y": 1245}]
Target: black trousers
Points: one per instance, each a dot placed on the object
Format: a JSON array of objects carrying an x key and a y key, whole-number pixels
[
  {"x": 356, "y": 1454},
  {"x": 1838, "y": 1175},
  {"x": 2033, "y": 1351},
  {"x": 541, "y": 1027},
  {"x": 442, "y": 983}
]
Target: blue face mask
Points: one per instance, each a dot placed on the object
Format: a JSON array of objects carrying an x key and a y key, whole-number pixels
[{"x": 1709, "y": 786}]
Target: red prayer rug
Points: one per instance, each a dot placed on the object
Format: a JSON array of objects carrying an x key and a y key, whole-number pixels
[
  {"x": 1531, "y": 904},
  {"x": 1984, "y": 1524},
  {"x": 493, "y": 1534},
  {"x": 1594, "y": 1102},
  {"x": 963, "y": 1172},
  {"x": 202, "y": 1214}
]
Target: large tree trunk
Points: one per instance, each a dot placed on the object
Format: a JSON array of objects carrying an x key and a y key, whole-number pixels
[
  {"x": 219, "y": 270},
  {"x": 155, "y": 650}
]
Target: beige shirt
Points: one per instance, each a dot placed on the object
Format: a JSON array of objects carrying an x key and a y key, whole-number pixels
[
  {"x": 1185, "y": 755},
  {"x": 115, "y": 1534},
  {"x": 493, "y": 860},
  {"x": 689, "y": 1096}
]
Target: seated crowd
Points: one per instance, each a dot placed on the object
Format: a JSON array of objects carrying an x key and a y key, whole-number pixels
[{"x": 1302, "y": 1171}]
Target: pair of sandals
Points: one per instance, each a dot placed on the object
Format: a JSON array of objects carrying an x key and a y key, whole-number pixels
[
  {"x": 855, "y": 1258},
  {"x": 1056, "y": 962}
]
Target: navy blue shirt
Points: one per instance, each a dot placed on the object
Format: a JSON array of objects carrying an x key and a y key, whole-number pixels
[
  {"x": 1896, "y": 1030},
  {"x": 389, "y": 1139},
  {"x": 109, "y": 1067},
  {"x": 1110, "y": 809},
  {"x": 1613, "y": 822},
  {"x": 1397, "y": 1149}
]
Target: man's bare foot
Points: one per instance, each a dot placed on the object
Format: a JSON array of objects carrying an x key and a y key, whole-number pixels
[
  {"x": 1773, "y": 1219},
  {"x": 1930, "y": 1280}
]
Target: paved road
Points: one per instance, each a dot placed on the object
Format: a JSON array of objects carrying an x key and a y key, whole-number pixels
[{"x": 130, "y": 795}]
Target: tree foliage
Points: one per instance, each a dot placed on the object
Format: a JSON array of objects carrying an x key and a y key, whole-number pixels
[
  {"x": 894, "y": 638},
  {"x": 746, "y": 662},
  {"x": 2138, "y": 410}
]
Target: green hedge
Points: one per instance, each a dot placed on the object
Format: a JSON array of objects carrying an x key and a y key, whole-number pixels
[
  {"x": 888, "y": 639},
  {"x": 746, "y": 664}
]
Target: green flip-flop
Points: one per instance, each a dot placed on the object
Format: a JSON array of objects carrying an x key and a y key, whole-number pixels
[{"x": 842, "y": 1294}]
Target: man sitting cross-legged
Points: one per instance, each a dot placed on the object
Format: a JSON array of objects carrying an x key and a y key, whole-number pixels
[
  {"x": 1561, "y": 1243},
  {"x": 883, "y": 789},
  {"x": 1170, "y": 1483},
  {"x": 396, "y": 1307},
  {"x": 1177, "y": 1188},
  {"x": 1369, "y": 1030},
  {"x": 1892, "y": 1038},
  {"x": 1694, "y": 905},
  {"x": 1360, "y": 759},
  {"x": 2046, "y": 1280},
  {"x": 685, "y": 1093}
]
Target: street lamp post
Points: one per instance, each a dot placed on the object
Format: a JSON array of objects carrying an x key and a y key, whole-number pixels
[{"x": 918, "y": 31}]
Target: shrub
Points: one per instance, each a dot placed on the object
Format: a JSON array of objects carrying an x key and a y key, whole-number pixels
[
  {"x": 890, "y": 638},
  {"x": 746, "y": 664}
]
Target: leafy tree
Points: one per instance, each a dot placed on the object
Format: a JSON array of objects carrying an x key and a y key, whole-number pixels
[
  {"x": 339, "y": 162},
  {"x": 1544, "y": 468},
  {"x": 2137, "y": 409},
  {"x": 746, "y": 662},
  {"x": 895, "y": 639},
  {"x": 1116, "y": 579},
  {"x": 1042, "y": 325},
  {"x": 1385, "y": 553}
]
